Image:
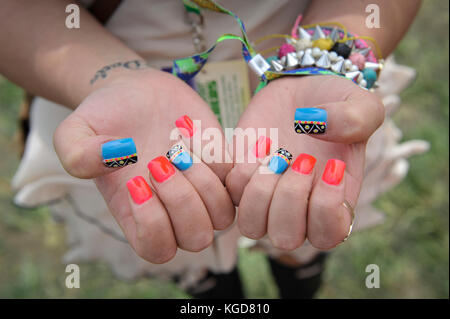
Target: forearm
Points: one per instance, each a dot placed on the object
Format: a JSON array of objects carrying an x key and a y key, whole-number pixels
[
  {"x": 42, "y": 55},
  {"x": 395, "y": 18}
]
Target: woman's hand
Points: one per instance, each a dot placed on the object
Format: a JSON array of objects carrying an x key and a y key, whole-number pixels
[
  {"x": 185, "y": 206},
  {"x": 306, "y": 201}
]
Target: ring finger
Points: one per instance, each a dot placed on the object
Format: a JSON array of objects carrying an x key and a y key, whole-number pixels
[{"x": 255, "y": 202}]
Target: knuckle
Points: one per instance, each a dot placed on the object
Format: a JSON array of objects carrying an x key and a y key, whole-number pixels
[
  {"x": 224, "y": 218},
  {"x": 251, "y": 232},
  {"x": 248, "y": 228},
  {"x": 160, "y": 255},
  {"x": 355, "y": 123},
  {"x": 259, "y": 191},
  {"x": 74, "y": 163},
  {"x": 241, "y": 174},
  {"x": 182, "y": 196},
  {"x": 72, "y": 156},
  {"x": 330, "y": 230},
  {"x": 293, "y": 191},
  {"x": 322, "y": 244},
  {"x": 285, "y": 243},
  {"x": 201, "y": 241},
  {"x": 380, "y": 111},
  {"x": 206, "y": 185}
]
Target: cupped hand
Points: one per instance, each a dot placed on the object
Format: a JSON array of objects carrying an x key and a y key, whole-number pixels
[
  {"x": 181, "y": 208},
  {"x": 306, "y": 201}
]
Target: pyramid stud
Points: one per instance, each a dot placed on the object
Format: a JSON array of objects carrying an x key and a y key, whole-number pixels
[
  {"x": 276, "y": 65},
  {"x": 333, "y": 56},
  {"x": 353, "y": 76},
  {"x": 363, "y": 83},
  {"x": 318, "y": 33},
  {"x": 291, "y": 41},
  {"x": 373, "y": 65},
  {"x": 300, "y": 54},
  {"x": 307, "y": 59},
  {"x": 354, "y": 68},
  {"x": 338, "y": 67},
  {"x": 350, "y": 43},
  {"x": 365, "y": 52},
  {"x": 324, "y": 61},
  {"x": 316, "y": 52},
  {"x": 303, "y": 44},
  {"x": 291, "y": 61},
  {"x": 303, "y": 34},
  {"x": 347, "y": 64},
  {"x": 334, "y": 34}
]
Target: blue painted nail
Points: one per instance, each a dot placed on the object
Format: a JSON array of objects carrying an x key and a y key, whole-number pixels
[
  {"x": 280, "y": 161},
  {"x": 179, "y": 157},
  {"x": 310, "y": 120},
  {"x": 119, "y": 153}
]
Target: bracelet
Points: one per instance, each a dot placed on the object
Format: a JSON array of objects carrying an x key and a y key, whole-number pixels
[
  {"x": 311, "y": 50},
  {"x": 320, "y": 48}
]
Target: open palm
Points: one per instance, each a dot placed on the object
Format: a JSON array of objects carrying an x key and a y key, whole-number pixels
[
  {"x": 186, "y": 206},
  {"x": 299, "y": 204}
]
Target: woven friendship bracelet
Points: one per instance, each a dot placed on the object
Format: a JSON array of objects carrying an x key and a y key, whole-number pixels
[{"x": 311, "y": 50}]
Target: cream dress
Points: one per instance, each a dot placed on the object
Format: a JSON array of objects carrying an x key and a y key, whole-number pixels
[{"x": 157, "y": 30}]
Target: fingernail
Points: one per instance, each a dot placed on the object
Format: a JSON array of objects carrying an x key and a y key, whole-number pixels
[
  {"x": 139, "y": 190},
  {"x": 119, "y": 153},
  {"x": 334, "y": 172},
  {"x": 161, "y": 169},
  {"x": 185, "y": 126},
  {"x": 262, "y": 147},
  {"x": 179, "y": 157},
  {"x": 280, "y": 161},
  {"x": 310, "y": 120},
  {"x": 304, "y": 164}
]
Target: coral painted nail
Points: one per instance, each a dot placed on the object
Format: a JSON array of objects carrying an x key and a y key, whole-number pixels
[
  {"x": 185, "y": 126},
  {"x": 262, "y": 147},
  {"x": 161, "y": 169},
  {"x": 139, "y": 190},
  {"x": 334, "y": 172},
  {"x": 304, "y": 164}
]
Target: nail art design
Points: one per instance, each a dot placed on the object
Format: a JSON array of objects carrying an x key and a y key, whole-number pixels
[
  {"x": 161, "y": 169},
  {"x": 262, "y": 147},
  {"x": 119, "y": 153},
  {"x": 139, "y": 190},
  {"x": 280, "y": 161},
  {"x": 185, "y": 125},
  {"x": 179, "y": 157},
  {"x": 310, "y": 120},
  {"x": 304, "y": 164},
  {"x": 334, "y": 172}
]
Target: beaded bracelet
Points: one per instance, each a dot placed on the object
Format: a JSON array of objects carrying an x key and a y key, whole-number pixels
[
  {"x": 310, "y": 50},
  {"x": 330, "y": 49}
]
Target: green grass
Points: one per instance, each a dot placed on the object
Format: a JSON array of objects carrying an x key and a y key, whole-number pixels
[{"x": 411, "y": 247}]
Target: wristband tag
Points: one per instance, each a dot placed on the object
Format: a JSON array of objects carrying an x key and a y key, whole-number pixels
[{"x": 225, "y": 86}]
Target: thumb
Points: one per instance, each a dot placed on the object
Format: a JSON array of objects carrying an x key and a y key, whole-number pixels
[
  {"x": 84, "y": 154},
  {"x": 351, "y": 121}
]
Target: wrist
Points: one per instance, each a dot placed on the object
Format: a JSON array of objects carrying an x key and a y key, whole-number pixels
[{"x": 120, "y": 72}]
